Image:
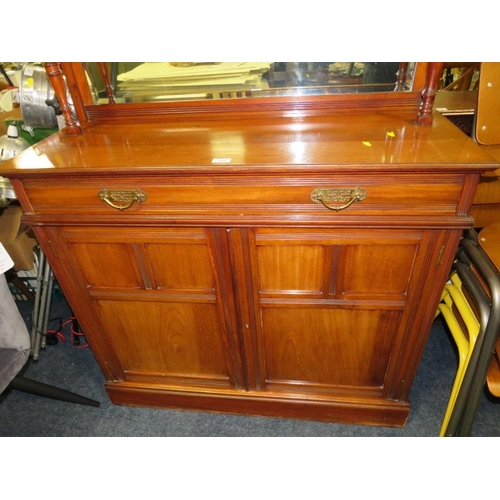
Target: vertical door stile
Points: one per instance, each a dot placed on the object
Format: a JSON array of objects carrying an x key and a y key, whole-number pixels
[
  {"x": 430, "y": 286},
  {"x": 241, "y": 242},
  {"x": 218, "y": 242}
]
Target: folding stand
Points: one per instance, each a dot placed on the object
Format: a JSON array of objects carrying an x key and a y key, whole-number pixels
[{"x": 41, "y": 307}]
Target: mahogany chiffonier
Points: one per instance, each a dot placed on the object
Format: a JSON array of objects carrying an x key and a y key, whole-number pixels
[{"x": 279, "y": 256}]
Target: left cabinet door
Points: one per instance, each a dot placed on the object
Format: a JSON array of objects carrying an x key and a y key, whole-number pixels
[{"x": 156, "y": 304}]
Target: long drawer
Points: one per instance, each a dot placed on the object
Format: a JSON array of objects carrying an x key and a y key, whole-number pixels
[{"x": 238, "y": 197}]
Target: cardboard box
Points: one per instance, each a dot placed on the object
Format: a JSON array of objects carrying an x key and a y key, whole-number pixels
[{"x": 17, "y": 238}]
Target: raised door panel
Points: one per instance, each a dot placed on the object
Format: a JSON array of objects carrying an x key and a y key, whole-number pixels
[
  {"x": 331, "y": 306},
  {"x": 377, "y": 270},
  {"x": 164, "y": 341},
  {"x": 160, "y": 303},
  {"x": 327, "y": 346},
  {"x": 293, "y": 269},
  {"x": 106, "y": 264},
  {"x": 184, "y": 266}
]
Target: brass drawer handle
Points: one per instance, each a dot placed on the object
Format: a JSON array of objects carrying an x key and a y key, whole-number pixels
[
  {"x": 344, "y": 196},
  {"x": 112, "y": 197}
]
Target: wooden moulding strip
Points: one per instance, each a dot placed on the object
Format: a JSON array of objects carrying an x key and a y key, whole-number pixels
[{"x": 385, "y": 413}]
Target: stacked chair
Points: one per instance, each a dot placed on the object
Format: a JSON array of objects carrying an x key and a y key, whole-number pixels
[
  {"x": 470, "y": 303},
  {"x": 490, "y": 242},
  {"x": 470, "y": 306}
]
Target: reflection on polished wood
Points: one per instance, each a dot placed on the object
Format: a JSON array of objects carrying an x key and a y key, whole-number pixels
[
  {"x": 104, "y": 72},
  {"x": 392, "y": 139}
]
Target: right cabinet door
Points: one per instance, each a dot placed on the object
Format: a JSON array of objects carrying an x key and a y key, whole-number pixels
[{"x": 332, "y": 309}]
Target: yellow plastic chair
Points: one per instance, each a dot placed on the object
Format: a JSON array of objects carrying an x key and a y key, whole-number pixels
[
  {"x": 464, "y": 340},
  {"x": 480, "y": 286}
]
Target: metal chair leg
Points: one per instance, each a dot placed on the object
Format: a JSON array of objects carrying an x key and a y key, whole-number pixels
[{"x": 491, "y": 276}]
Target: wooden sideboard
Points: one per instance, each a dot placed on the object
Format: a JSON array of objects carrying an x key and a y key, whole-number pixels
[{"x": 284, "y": 266}]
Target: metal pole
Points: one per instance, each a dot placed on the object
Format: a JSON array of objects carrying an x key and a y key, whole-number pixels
[
  {"x": 41, "y": 313},
  {"x": 48, "y": 302},
  {"x": 36, "y": 305}
]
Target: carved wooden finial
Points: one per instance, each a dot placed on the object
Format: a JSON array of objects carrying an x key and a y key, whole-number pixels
[
  {"x": 434, "y": 72},
  {"x": 55, "y": 75}
]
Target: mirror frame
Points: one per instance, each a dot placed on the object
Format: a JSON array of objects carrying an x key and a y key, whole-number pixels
[{"x": 420, "y": 99}]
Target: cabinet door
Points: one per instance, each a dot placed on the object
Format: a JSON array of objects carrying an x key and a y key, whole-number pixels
[
  {"x": 332, "y": 308},
  {"x": 155, "y": 304}
]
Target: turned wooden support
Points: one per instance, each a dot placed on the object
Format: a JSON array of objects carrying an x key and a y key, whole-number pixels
[
  {"x": 104, "y": 72},
  {"x": 56, "y": 79},
  {"x": 401, "y": 76},
  {"x": 434, "y": 72}
]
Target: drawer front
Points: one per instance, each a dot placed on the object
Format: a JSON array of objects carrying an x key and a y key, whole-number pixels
[{"x": 240, "y": 197}]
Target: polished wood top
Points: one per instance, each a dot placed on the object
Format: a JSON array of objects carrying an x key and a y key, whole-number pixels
[
  {"x": 342, "y": 142},
  {"x": 489, "y": 239}
]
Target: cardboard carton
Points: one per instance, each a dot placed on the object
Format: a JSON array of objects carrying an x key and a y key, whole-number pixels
[{"x": 17, "y": 238}]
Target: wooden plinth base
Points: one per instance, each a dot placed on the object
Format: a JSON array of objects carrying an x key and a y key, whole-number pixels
[{"x": 387, "y": 413}]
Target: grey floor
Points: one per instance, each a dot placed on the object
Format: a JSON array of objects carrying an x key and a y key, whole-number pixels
[{"x": 63, "y": 365}]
